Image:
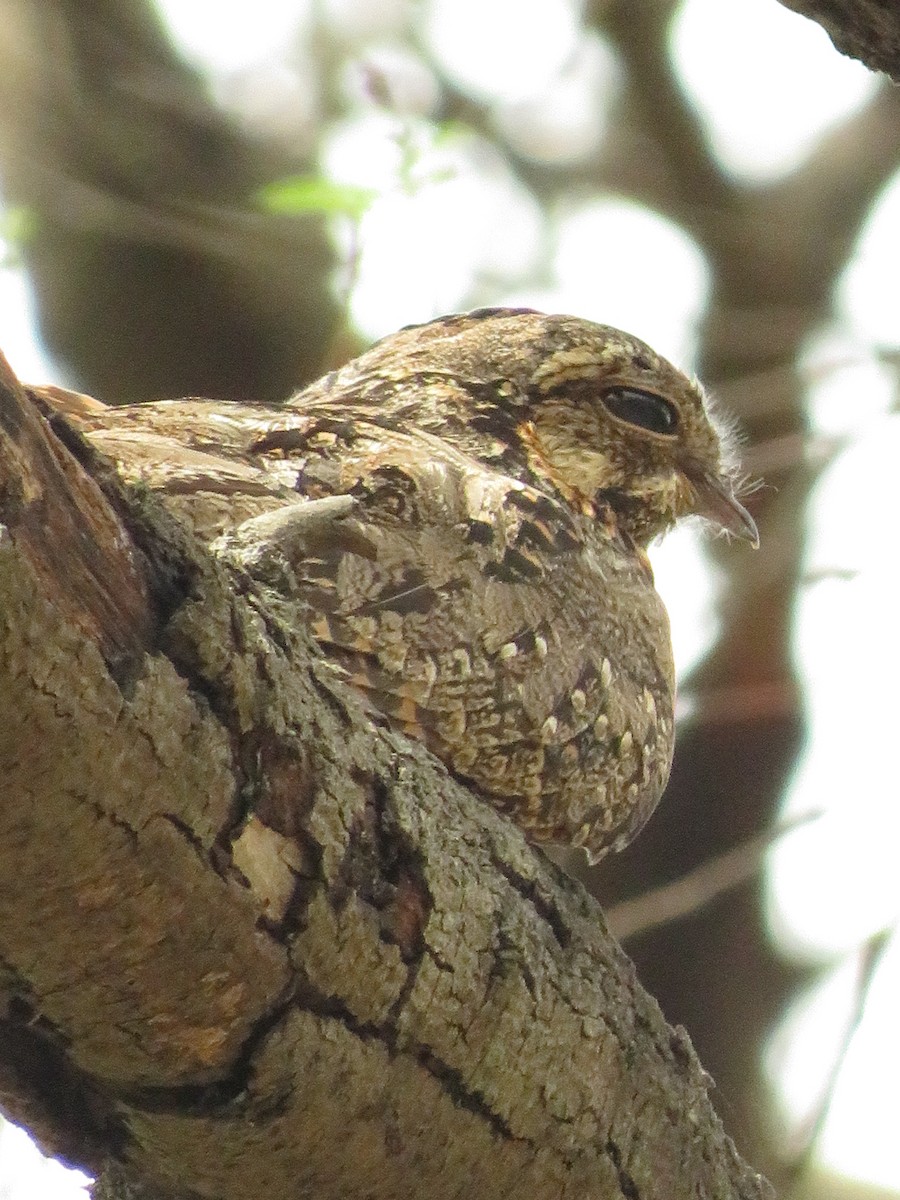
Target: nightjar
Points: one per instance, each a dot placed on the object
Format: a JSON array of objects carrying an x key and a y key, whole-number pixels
[{"x": 465, "y": 510}]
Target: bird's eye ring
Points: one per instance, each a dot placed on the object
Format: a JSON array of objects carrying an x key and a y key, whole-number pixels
[{"x": 644, "y": 409}]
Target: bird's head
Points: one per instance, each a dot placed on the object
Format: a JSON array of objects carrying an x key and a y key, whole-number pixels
[
  {"x": 613, "y": 421},
  {"x": 593, "y": 411}
]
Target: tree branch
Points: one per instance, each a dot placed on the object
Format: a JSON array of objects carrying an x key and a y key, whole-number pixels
[
  {"x": 865, "y": 29},
  {"x": 252, "y": 943}
]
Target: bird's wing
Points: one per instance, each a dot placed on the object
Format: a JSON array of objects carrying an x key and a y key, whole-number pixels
[
  {"x": 480, "y": 615},
  {"x": 427, "y": 544}
]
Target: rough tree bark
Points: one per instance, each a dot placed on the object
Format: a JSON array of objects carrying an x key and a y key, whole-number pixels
[
  {"x": 865, "y": 29},
  {"x": 253, "y": 944}
]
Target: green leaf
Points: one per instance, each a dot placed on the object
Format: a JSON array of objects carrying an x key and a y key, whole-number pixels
[
  {"x": 312, "y": 193},
  {"x": 447, "y": 132}
]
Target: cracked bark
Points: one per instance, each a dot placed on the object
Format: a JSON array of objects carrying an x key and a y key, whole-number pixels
[{"x": 253, "y": 944}]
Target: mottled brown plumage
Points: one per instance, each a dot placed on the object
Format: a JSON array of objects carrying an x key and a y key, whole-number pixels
[{"x": 475, "y": 498}]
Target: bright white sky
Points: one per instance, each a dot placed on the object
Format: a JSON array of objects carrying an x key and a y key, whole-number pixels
[{"x": 832, "y": 884}]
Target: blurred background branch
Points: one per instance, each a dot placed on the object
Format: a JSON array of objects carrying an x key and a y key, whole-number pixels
[{"x": 153, "y": 272}]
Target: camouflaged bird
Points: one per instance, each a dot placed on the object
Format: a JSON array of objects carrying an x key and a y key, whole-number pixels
[{"x": 465, "y": 509}]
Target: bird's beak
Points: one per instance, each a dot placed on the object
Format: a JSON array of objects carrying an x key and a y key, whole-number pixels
[{"x": 717, "y": 502}]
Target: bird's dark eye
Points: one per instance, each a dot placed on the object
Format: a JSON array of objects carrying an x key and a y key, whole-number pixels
[{"x": 643, "y": 409}]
